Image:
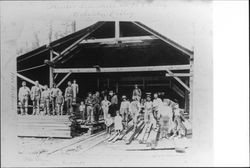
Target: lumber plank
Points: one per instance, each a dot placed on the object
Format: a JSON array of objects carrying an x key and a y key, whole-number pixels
[
  {"x": 139, "y": 125},
  {"x": 112, "y": 136},
  {"x": 139, "y": 132},
  {"x": 147, "y": 132}
]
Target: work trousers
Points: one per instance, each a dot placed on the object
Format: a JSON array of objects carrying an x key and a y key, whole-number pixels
[
  {"x": 36, "y": 106},
  {"x": 69, "y": 104},
  {"x": 60, "y": 109},
  {"x": 148, "y": 116},
  {"x": 124, "y": 112},
  {"x": 90, "y": 114},
  {"x": 96, "y": 111},
  {"x": 46, "y": 107},
  {"x": 24, "y": 105},
  {"x": 53, "y": 101},
  {"x": 135, "y": 118},
  {"x": 112, "y": 110},
  {"x": 105, "y": 113}
]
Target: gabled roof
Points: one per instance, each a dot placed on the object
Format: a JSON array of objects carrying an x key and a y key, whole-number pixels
[{"x": 162, "y": 46}]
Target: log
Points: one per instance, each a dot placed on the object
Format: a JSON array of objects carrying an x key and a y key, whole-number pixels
[
  {"x": 139, "y": 125},
  {"x": 147, "y": 132},
  {"x": 139, "y": 132},
  {"x": 112, "y": 136},
  {"x": 152, "y": 139}
]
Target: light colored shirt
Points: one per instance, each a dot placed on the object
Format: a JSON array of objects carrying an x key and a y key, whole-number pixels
[
  {"x": 105, "y": 104},
  {"x": 177, "y": 112},
  {"x": 148, "y": 105},
  {"x": 23, "y": 91},
  {"x": 46, "y": 94},
  {"x": 82, "y": 107},
  {"x": 109, "y": 121},
  {"x": 157, "y": 103},
  {"x": 134, "y": 107},
  {"x": 36, "y": 91},
  {"x": 54, "y": 92},
  {"x": 75, "y": 88},
  {"x": 125, "y": 104},
  {"x": 114, "y": 100},
  {"x": 164, "y": 111}
]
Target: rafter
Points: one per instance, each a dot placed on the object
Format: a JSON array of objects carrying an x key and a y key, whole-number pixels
[{"x": 122, "y": 69}]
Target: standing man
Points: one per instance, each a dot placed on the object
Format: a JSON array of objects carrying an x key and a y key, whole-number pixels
[
  {"x": 46, "y": 100},
  {"x": 75, "y": 88},
  {"x": 136, "y": 93},
  {"x": 36, "y": 92},
  {"x": 89, "y": 107},
  {"x": 96, "y": 106},
  {"x": 53, "y": 94},
  {"x": 69, "y": 97},
  {"x": 23, "y": 96},
  {"x": 114, "y": 104},
  {"x": 157, "y": 102},
  {"x": 124, "y": 109},
  {"x": 134, "y": 109},
  {"x": 148, "y": 109}
]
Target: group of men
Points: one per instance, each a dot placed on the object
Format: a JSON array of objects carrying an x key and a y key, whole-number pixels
[
  {"x": 155, "y": 111},
  {"x": 42, "y": 97}
]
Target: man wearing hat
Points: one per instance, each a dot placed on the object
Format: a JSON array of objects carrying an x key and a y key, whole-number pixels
[
  {"x": 23, "y": 96},
  {"x": 114, "y": 103},
  {"x": 136, "y": 93},
  {"x": 148, "y": 109},
  {"x": 134, "y": 109},
  {"x": 96, "y": 106},
  {"x": 89, "y": 107},
  {"x": 69, "y": 97},
  {"x": 36, "y": 93},
  {"x": 124, "y": 109}
]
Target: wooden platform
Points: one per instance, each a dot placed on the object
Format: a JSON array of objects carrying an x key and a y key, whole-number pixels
[
  {"x": 94, "y": 128},
  {"x": 44, "y": 126}
]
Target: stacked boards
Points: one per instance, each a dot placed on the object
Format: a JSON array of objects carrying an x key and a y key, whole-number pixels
[{"x": 44, "y": 126}]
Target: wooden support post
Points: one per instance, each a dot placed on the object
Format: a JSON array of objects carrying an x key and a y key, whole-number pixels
[
  {"x": 65, "y": 77},
  {"x": 179, "y": 80},
  {"x": 116, "y": 87},
  {"x": 143, "y": 82},
  {"x": 187, "y": 100},
  {"x": 191, "y": 87},
  {"x": 51, "y": 78},
  {"x": 108, "y": 83},
  {"x": 117, "y": 30},
  {"x": 98, "y": 83}
]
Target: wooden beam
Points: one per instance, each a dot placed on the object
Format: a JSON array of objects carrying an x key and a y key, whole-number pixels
[
  {"x": 117, "y": 30},
  {"x": 141, "y": 85},
  {"x": 178, "y": 74},
  {"x": 28, "y": 80},
  {"x": 168, "y": 41},
  {"x": 51, "y": 78},
  {"x": 122, "y": 69},
  {"x": 179, "y": 80},
  {"x": 65, "y": 77},
  {"x": 75, "y": 43},
  {"x": 178, "y": 90},
  {"x": 114, "y": 40}
]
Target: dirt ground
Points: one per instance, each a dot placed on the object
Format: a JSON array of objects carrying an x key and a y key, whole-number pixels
[{"x": 34, "y": 152}]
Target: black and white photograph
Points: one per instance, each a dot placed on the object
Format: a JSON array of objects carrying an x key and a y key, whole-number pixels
[{"x": 107, "y": 83}]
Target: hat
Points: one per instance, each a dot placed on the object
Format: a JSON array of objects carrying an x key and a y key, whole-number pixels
[
  {"x": 124, "y": 97},
  {"x": 111, "y": 91}
]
